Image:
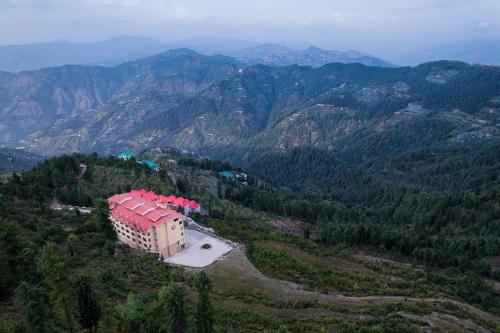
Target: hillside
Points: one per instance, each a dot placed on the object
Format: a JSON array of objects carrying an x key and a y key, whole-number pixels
[
  {"x": 16, "y": 160},
  {"x": 67, "y": 108},
  {"x": 213, "y": 105},
  {"x": 274, "y": 282}
]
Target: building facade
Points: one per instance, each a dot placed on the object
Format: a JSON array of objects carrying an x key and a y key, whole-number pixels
[{"x": 142, "y": 222}]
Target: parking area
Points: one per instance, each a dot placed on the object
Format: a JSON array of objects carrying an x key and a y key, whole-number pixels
[{"x": 197, "y": 254}]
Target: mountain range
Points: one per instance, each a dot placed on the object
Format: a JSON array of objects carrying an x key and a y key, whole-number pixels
[
  {"x": 279, "y": 55},
  {"x": 115, "y": 51},
  {"x": 216, "y": 106}
]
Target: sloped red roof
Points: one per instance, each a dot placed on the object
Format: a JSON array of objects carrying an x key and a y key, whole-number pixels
[
  {"x": 193, "y": 204},
  {"x": 178, "y": 202},
  {"x": 140, "y": 211}
]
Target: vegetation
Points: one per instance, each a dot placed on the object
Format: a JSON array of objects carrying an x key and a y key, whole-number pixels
[{"x": 63, "y": 271}]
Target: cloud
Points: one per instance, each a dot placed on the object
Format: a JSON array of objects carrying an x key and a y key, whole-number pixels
[{"x": 480, "y": 25}]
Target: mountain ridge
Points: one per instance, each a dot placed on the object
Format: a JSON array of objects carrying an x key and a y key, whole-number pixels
[
  {"x": 279, "y": 55},
  {"x": 203, "y": 103},
  {"x": 117, "y": 50}
]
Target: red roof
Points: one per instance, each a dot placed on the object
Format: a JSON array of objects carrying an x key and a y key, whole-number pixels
[
  {"x": 179, "y": 202},
  {"x": 193, "y": 204},
  {"x": 139, "y": 210}
]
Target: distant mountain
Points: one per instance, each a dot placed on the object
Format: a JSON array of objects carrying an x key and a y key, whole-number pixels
[
  {"x": 16, "y": 58},
  {"x": 17, "y": 160},
  {"x": 279, "y": 55},
  {"x": 482, "y": 51},
  {"x": 212, "y": 45},
  {"x": 115, "y": 51}
]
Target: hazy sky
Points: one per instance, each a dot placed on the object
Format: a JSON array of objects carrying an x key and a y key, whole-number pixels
[{"x": 382, "y": 27}]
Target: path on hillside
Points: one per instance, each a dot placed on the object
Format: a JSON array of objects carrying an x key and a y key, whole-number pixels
[{"x": 236, "y": 272}]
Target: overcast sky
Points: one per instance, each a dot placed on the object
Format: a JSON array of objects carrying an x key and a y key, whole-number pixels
[{"x": 382, "y": 27}]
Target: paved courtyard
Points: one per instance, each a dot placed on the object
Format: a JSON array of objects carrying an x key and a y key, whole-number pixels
[{"x": 194, "y": 255}]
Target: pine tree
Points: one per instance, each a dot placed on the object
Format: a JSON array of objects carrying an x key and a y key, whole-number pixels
[
  {"x": 204, "y": 309},
  {"x": 35, "y": 302},
  {"x": 71, "y": 243},
  {"x": 87, "y": 306},
  {"x": 172, "y": 301},
  {"x": 54, "y": 265}
]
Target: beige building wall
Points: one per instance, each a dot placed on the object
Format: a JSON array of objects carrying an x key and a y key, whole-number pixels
[{"x": 167, "y": 238}]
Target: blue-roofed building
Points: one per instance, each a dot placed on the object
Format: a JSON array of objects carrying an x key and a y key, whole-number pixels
[
  {"x": 150, "y": 164},
  {"x": 126, "y": 155},
  {"x": 227, "y": 174}
]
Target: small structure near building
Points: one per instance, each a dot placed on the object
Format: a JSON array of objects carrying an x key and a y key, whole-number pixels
[
  {"x": 141, "y": 222},
  {"x": 56, "y": 205}
]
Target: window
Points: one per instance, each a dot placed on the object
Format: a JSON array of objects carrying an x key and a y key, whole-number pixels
[
  {"x": 173, "y": 227},
  {"x": 180, "y": 222}
]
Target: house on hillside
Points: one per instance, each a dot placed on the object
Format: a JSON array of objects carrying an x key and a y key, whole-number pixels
[
  {"x": 152, "y": 165},
  {"x": 234, "y": 176},
  {"x": 141, "y": 223},
  {"x": 126, "y": 155}
]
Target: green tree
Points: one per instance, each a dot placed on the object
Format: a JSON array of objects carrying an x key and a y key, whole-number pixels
[
  {"x": 307, "y": 231},
  {"x": 71, "y": 243},
  {"x": 283, "y": 329},
  {"x": 35, "y": 303},
  {"x": 132, "y": 313},
  {"x": 172, "y": 300},
  {"x": 204, "y": 309},
  {"x": 100, "y": 216},
  {"x": 54, "y": 265},
  {"x": 87, "y": 306}
]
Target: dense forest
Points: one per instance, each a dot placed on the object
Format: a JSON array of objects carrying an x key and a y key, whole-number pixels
[{"x": 439, "y": 209}]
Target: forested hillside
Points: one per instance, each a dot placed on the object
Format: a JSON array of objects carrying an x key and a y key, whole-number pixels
[{"x": 62, "y": 271}]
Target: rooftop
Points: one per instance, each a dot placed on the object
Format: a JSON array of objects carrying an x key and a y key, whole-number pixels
[
  {"x": 139, "y": 209},
  {"x": 126, "y": 154},
  {"x": 149, "y": 163}
]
